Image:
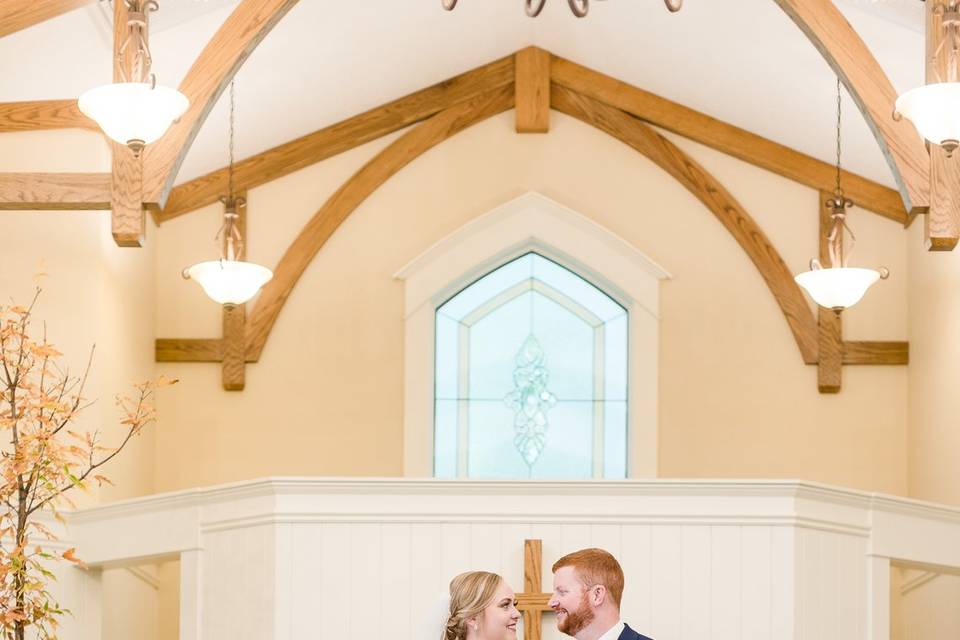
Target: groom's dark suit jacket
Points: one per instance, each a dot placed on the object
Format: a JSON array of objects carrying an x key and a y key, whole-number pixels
[{"x": 630, "y": 634}]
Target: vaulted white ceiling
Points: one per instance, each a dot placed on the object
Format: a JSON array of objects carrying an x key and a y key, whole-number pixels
[{"x": 742, "y": 61}]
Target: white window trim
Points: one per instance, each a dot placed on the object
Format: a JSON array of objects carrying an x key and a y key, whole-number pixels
[{"x": 531, "y": 222}]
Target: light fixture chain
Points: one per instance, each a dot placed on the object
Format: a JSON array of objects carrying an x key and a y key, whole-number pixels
[
  {"x": 230, "y": 165},
  {"x": 839, "y": 254},
  {"x": 838, "y": 191}
]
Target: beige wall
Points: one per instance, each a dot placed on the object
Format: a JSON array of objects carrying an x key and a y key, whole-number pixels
[
  {"x": 934, "y": 354},
  {"x": 95, "y": 296},
  {"x": 735, "y": 399}
]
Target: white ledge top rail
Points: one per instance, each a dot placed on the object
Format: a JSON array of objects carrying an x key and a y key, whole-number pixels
[{"x": 164, "y": 525}]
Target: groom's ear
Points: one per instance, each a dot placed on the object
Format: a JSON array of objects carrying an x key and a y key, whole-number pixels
[{"x": 597, "y": 595}]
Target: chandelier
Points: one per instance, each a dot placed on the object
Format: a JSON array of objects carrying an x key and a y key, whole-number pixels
[
  {"x": 933, "y": 108},
  {"x": 838, "y": 286},
  {"x": 229, "y": 280},
  {"x": 134, "y": 111},
  {"x": 578, "y": 7}
]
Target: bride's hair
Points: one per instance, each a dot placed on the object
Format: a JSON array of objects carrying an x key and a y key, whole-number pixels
[{"x": 470, "y": 593}]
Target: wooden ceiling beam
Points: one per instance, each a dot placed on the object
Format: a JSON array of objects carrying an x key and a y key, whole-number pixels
[
  {"x": 36, "y": 115},
  {"x": 188, "y": 350},
  {"x": 16, "y": 15},
  {"x": 725, "y": 138},
  {"x": 337, "y": 138},
  {"x": 713, "y": 195},
  {"x": 345, "y": 135},
  {"x": 875, "y": 352},
  {"x": 532, "y": 90},
  {"x": 54, "y": 191},
  {"x": 210, "y": 74},
  {"x": 871, "y": 90}
]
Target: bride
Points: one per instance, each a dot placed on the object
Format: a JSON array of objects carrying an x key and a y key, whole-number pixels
[{"x": 482, "y": 607}]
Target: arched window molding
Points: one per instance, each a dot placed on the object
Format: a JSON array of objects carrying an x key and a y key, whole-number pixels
[{"x": 531, "y": 222}]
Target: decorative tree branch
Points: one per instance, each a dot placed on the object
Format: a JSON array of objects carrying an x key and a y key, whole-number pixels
[{"x": 43, "y": 462}]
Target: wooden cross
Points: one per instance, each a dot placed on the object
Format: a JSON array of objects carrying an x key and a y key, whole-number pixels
[{"x": 532, "y": 602}]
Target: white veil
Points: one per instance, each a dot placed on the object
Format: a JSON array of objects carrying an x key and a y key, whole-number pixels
[{"x": 438, "y": 618}]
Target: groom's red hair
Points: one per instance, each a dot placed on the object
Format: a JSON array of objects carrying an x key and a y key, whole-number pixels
[{"x": 595, "y": 566}]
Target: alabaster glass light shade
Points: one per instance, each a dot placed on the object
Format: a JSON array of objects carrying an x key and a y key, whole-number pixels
[
  {"x": 837, "y": 288},
  {"x": 934, "y": 109},
  {"x": 229, "y": 281},
  {"x": 133, "y": 111}
]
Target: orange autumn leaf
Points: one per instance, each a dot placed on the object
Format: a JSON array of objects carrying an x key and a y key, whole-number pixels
[{"x": 70, "y": 557}]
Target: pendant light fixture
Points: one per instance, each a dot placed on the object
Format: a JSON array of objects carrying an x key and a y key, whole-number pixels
[
  {"x": 934, "y": 109},
  {"x": 838, "y": 286},
  {"x": 579, "y": 8},
  {"x": 229, "y": 280},
  {"x": 135, "y": 111}
]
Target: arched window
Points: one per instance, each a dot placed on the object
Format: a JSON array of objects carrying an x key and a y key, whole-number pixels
[
  {"x": 530, "y": 377},
  {"x": 475, "y": 258}
]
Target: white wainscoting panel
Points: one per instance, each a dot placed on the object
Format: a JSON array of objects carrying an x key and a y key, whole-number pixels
[
  {"x": 374, "y": 580},
  {"x": 304, "y": 558},
  {"x": 757, "y": 592},
  {"x": 238, "y": 588}
]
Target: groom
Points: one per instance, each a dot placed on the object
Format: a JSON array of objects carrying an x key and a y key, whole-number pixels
[{"x": 587, "y": 586}]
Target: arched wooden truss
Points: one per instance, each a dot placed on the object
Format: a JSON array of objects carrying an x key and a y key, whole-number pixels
[{"x": 541, "y": 91}]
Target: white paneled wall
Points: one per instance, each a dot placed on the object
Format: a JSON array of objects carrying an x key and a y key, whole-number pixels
[
  {"x": 238, "y": 575},
  {"x": 930, "y": 607},
  {"x": 374, "y": 580},
  {"x": 831, "y": 569},
  {"x": 294, "y": 559}
]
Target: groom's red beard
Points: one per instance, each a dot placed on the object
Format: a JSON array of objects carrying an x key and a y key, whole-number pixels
[{"x": 575, "y": 621}]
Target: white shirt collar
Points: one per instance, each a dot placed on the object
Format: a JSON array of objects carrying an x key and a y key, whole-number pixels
[{"x": 613, "y": 632}]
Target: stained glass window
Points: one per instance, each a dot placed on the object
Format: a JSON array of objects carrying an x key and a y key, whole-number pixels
[{"x": 531, "y": 377}]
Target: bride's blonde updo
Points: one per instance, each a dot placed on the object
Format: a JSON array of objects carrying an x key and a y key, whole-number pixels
[{"x": 470, "y": 593}]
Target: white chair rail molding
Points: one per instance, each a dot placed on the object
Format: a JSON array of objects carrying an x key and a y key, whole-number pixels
[{"x": 295, "y": 558}]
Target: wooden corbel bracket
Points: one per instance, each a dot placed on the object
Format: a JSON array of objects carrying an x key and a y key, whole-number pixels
[
  {"x": 832, "y": 351},
  {"x": 231, "y": 349}
]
